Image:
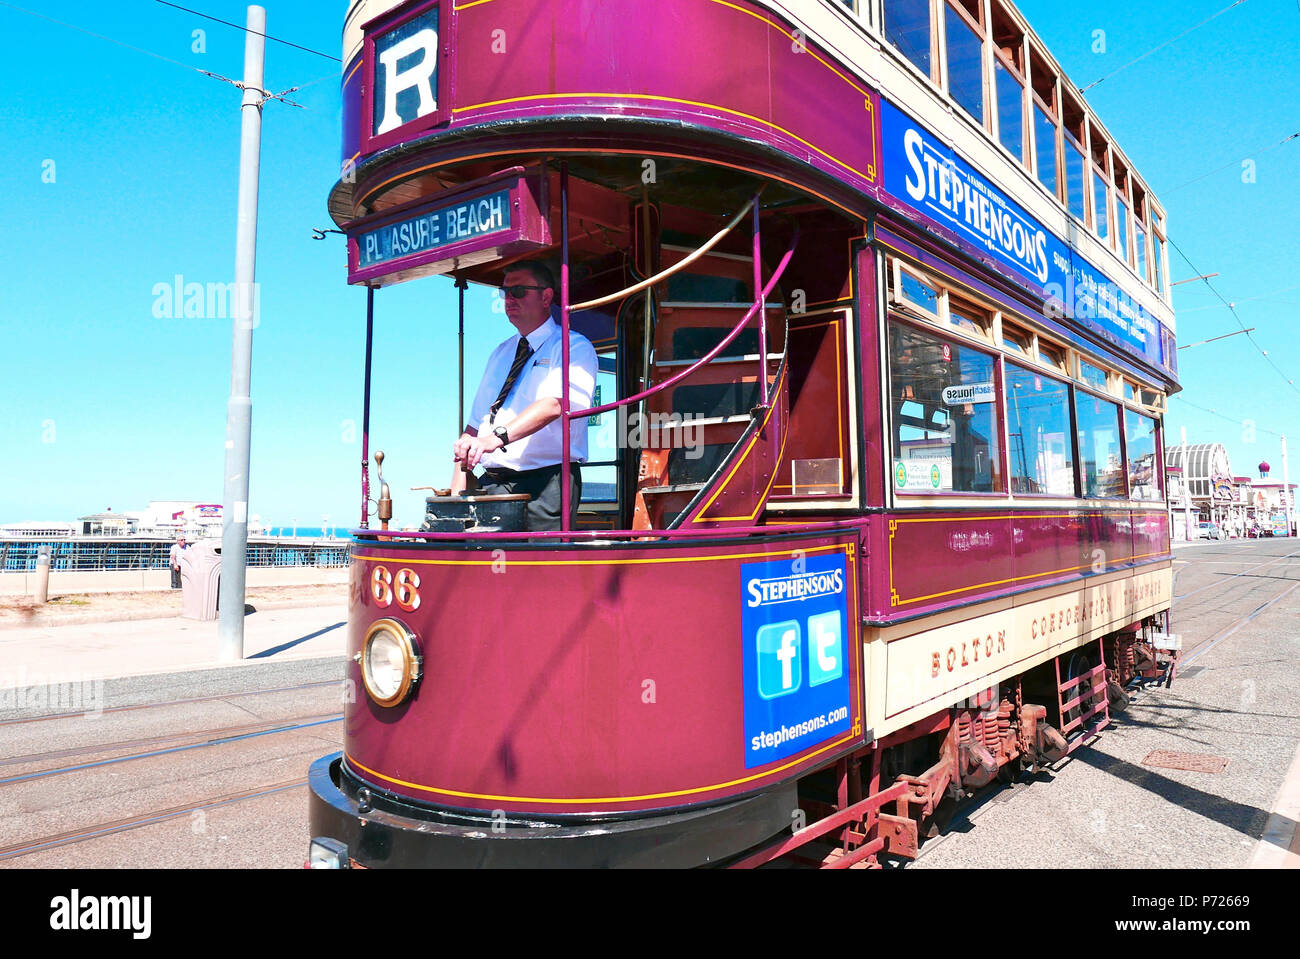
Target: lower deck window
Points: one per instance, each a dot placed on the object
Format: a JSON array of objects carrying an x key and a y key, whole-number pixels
[
  {"x": 945, "y": 415},
  {"x": 1040, "y": 450},
  {"x": 1100, "y": 447},
  {"x": 1143, "y": 457}
]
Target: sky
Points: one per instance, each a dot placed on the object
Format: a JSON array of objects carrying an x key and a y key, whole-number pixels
[{"x": 123, "y": 175}]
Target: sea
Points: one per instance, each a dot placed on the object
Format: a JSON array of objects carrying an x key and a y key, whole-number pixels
[{"x": 311, "y": 532}]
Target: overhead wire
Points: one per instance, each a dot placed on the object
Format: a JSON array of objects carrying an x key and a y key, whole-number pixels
[
  {"x": 1162, "y": 46},
  {"x": 100, "y": 36},
  {"x": 1250, "y": 156},
  {"x": 1233, "y": 310},
  {"x": 282, "y": 96},
  {"x": 1234, "y": 420},
  {"x": 237, "y": 26}
]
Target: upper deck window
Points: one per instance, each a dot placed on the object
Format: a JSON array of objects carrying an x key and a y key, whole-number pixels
[
  {"x": 1009, "y": 81},
  {"x": 907, "y": 28},
  {"x": 1073, "y": 123},
  {"x": 1076, "y": 178},
  {"x": 965, "y": 43},
  {"x": 1045, "y": 148},
  {"x": 1045, "y": 114},
  {"x": 945, "y": 406},
  {"x": 1100, "y": 205},
  {"x": 1140, "y": 249},
  {"x": 1011, "y": 110},
  {"x": 1158, "y": 250},
  {"x": 1041, "y": 449},
  {"x": 1121, "y": 229}
]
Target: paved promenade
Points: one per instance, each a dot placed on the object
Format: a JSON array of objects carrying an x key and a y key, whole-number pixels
[{"x": 37, "y": 654}]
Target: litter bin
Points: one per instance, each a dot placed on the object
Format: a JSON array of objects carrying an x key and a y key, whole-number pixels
[{"x": 201, "y": 580}]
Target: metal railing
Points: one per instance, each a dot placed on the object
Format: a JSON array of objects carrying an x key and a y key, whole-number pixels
[
  {"x": 86, "y": 556},
  {"x": 761, "y": 293}
]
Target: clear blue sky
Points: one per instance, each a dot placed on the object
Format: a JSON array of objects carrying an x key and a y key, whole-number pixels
[{"x": 106, "y": 404}]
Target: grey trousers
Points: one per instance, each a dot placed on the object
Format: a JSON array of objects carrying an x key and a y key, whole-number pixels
[{"x": 543, "y": 485}]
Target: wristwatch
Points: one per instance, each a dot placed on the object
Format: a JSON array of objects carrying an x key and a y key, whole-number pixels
[{"x": 501, "y": 434}]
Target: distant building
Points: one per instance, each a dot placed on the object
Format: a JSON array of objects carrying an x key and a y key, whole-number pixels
[{"x": 1206, "y": 490}]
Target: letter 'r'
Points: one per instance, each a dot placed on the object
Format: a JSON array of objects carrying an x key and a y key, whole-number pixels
[{"x": 417, "y": 76}]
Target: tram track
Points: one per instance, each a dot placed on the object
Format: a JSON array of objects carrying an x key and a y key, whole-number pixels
[
  {"x": 175, "y": 702},
  {"x": 207, "y": 741},
  {"x": 1228, "y": 631},
  {"x": 1235, "y": 576},
  {"x": 204, "y": 737},
  {"x": 99, "y": 830}
]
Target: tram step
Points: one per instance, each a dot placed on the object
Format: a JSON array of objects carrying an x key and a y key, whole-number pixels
[{"x": 678, "y": 488}]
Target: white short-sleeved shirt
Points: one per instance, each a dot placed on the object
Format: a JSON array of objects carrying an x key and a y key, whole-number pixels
[{"x": 540, "y": 378}]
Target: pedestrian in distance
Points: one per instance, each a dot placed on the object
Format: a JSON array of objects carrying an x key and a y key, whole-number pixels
[{"x": 174, "y": 560}]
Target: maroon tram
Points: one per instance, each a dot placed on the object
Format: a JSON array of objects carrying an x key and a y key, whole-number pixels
[{"x": 882, "y": 320}]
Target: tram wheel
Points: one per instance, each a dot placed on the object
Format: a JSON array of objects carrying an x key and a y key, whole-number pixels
[{"x": 1080, "y": 664}]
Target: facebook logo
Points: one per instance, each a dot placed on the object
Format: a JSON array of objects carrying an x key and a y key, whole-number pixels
[
  {"x": 825, "y": 650},
  {"x": 780, "y": 666}
]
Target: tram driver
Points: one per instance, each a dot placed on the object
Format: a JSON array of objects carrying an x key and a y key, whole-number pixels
[{"x": 514, "y": 430}]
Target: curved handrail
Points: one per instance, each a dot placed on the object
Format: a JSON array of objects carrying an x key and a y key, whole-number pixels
[
  {"x": 709, "y": 356},
  {"x": 675, "y": 268},
  {"x": 599, "y": 536}
]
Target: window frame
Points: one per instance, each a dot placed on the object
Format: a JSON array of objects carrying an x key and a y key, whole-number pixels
[
  {"x": 982, "y": 34},
  {"x": 935, "y": 76},
  {"x": 1159, "y": 464},
  {"x": 988, "y": 350},
  {"x": 1078, "y": 388},
  {"x": 1000, "y": 60},
  {"x": 1061, "y": 380},
  {"x": 897, "y": 299}
]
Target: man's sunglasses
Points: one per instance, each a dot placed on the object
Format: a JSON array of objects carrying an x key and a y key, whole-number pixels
[{"x": 519, "y": 292}]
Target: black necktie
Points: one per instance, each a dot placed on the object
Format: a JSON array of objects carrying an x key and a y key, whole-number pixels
[{"x": 522, "y": 353}]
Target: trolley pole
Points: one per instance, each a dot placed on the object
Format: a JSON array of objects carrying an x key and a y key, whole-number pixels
[{"x": 239, "y": 424}]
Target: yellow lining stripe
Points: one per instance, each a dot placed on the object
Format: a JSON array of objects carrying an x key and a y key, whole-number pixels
[
  {"x": 604, "y": 151},
  {"x": 600, "y": 562},
  {"x": 850, "y": 555},
  {"x": 895, "y": 600},
  {"x": 749, "y": 13},
  {"x": 869, "y": 176},
  {"x": 610, "y": 799}
]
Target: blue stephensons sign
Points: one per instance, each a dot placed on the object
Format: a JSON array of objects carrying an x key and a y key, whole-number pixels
[
  {"x": 795, "y": 630},
  {"x": 430, "y": 231},
  {"x": 922, "y": 172}
]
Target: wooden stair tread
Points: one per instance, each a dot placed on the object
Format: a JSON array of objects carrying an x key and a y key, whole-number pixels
[{"x": 675, "y": 488}]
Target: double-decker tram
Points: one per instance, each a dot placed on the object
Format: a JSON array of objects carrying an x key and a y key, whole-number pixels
[{"x": 872, "y": 501}]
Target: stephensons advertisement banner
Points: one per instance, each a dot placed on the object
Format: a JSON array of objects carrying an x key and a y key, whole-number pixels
[{"x": 923, "y": 173}]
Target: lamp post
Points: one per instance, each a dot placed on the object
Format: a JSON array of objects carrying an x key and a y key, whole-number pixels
[{"x": 1286, "y": 487}]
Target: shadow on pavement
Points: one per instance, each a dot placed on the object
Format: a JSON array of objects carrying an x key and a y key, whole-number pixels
[
  {"x": 1247, "y": 820},
  {"x": 293, "y": 642}
]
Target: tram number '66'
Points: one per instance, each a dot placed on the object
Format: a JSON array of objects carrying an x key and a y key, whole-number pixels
[{"x": 404, "y": 588}]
